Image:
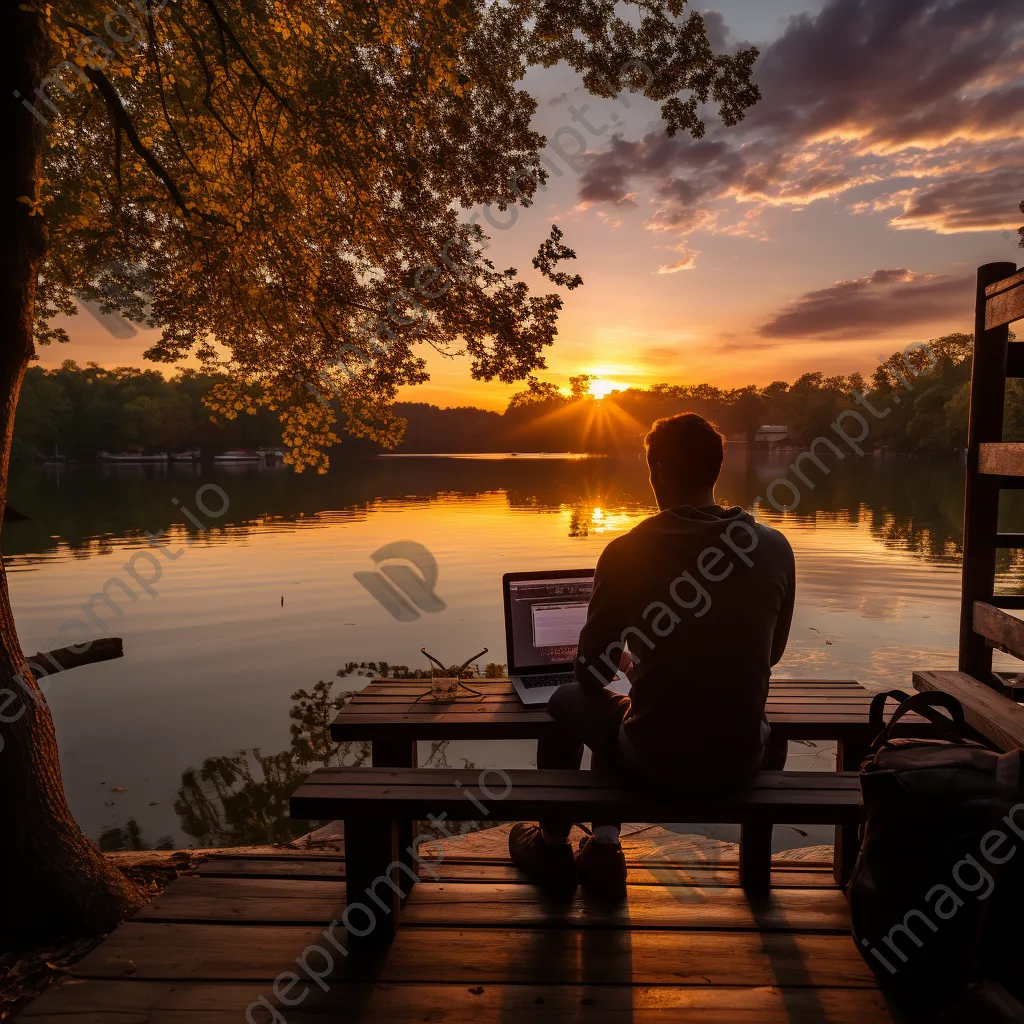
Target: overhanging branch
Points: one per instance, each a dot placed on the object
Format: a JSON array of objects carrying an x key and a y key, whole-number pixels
[{"x": 121, "y": 120}]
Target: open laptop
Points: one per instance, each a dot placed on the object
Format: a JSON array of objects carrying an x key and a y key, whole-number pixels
[{"x": 544, "y": 613}]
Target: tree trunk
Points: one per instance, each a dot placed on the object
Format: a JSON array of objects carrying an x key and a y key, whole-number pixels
[{"x": 56, "y": 882}]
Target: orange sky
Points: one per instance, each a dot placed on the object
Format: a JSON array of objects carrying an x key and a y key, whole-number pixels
[{"x": 843, "y": 220}]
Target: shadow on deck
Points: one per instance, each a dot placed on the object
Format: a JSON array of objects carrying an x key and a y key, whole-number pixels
[{"x": 479, "y": 946}]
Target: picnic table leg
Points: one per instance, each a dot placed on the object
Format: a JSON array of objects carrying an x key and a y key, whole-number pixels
[
  {"x": 372, "y": 885},
  {"x": 398, "y": 754},
  {"x": 756, "y": 856},
  {"x": 849, "y": 755},
  {"x": 847, "y": 848}
]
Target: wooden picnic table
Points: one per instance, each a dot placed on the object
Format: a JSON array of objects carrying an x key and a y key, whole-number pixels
[{"x": 388, "y": 714}]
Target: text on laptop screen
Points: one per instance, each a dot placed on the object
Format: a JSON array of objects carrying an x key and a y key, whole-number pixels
[{"x": 547, "y": 616}]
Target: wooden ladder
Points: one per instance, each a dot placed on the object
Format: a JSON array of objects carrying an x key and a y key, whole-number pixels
[{"x": 992, "y": 465}]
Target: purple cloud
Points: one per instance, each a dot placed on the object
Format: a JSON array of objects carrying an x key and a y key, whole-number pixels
[
  {"x": 916, "y": 98},
  {"x": 870, "y": 306}
]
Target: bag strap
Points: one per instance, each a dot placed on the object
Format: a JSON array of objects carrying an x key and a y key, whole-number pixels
[
  {"x": 876, "y": 715},
  {"x": 925, "y": 704}
]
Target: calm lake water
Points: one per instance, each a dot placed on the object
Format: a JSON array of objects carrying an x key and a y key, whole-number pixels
[{"x": 199, "y": 728}]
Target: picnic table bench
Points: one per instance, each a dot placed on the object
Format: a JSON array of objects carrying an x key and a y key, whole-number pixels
[
  {"x": 374, "y": 801},
  {"x": 379, "y": 806}
]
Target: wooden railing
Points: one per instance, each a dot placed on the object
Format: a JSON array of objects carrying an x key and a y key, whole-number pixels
[
  {"x": 999, "y": 720},
  {"x": 992, "y": 465}
]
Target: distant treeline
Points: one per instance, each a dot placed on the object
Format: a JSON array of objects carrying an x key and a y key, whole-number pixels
[
  {"x": 83, "y": 410},
  {"x": 917, "y": 401}
]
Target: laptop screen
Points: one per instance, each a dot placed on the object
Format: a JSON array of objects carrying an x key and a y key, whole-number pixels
[{"x": 545, "y": 615}]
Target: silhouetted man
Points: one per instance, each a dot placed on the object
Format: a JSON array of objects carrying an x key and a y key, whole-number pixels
[{"x": 699, "y": 600}]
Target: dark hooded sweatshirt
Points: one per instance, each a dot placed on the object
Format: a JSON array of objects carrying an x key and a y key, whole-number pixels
[{"x": 703, "y": 600}]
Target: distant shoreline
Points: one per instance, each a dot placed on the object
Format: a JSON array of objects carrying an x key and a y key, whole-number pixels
[{"x": 491, "y": 455}]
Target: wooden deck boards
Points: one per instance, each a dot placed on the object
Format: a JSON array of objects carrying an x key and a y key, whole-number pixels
[{"x": 478, "y": 945}]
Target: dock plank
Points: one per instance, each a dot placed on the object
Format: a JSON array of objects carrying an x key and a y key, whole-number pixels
[
  {"x": 252, "y": 867},
  {"x": 651, "y": 869},
  {"x": 465, "y": 904},
  {"x": 670, "y": 907},
  {"x": 163, "y": 1003},
  {"x": 482, "y": 948},
  {"x": 651, "y": 872},
  {"x": 620, "y": 956},
  {"x": 208, "y": 952}
]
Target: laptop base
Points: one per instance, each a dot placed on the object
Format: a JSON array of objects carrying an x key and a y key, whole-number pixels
[{"x": 538, "y": 696}]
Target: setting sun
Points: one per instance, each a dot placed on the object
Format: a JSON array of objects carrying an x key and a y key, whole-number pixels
[{"x": 601, "y": 387}]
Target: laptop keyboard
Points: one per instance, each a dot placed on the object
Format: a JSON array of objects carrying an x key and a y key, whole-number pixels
[{"x": 550, "y": 679}]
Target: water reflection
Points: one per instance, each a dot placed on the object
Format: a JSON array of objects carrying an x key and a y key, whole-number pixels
[
  {"x": 242, "y": 799},
  {"x": 130, "y": 837},
  {"x": 911, "y": 504},
  {"x": 265, "y": 601}
]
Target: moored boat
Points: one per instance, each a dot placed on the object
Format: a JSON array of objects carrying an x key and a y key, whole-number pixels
[
  {"x": 238, "y": 455},
  {"x": 131, "y": 457}
]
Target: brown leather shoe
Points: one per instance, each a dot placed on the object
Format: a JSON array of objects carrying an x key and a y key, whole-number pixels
[
  {"x": 549, "y": 865},
  {"x": 601, "y": 868}
]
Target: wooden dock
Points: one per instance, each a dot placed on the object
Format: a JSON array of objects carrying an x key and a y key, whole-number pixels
[{"x": 478, "y": 945}]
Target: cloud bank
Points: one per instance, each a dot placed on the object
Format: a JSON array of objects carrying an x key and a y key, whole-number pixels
[
  {"x": 917, "y": 104},
  {"x": 871, "y": 306}
]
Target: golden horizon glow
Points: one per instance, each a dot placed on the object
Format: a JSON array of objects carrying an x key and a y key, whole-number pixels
[{"x": 601, "y": 387}]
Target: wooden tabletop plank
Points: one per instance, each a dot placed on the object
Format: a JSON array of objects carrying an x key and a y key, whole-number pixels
[
  {"x": 811, "y": 709},
  {"x": 404, "y": 686},
  {"x": 779, "y": 705},
  {"x": 392, "y": 699},
  {"x": 361, "y": 703},
  {"x": 388, "y": 709},
  {"x": 389, "y": 705},
  {"x": 802, "y": 725},
  {"x": 429, "y": 710}
]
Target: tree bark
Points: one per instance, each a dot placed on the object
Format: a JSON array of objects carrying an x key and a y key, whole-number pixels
[{"x": 56, "y": 882}]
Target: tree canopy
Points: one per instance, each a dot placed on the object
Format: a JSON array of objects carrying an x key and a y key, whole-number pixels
[
  {"x": 279, "y": 187},
  {"x": 282, "y": 189}
]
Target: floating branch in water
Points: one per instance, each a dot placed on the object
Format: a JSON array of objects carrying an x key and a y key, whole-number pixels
[{"x": 48, "y": 663}]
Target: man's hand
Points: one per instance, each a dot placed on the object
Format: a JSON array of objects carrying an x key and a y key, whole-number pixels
[{"x": 626, "y": 665}]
